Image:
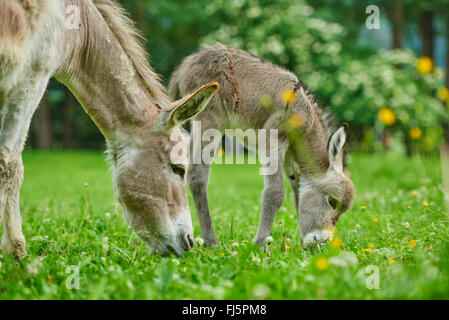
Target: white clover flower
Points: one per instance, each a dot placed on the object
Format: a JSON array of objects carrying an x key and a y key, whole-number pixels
[
  {"x": 234, "y": 253},
  {"x": 107, "y": 215},
  {"x": 406, "y": 224},
  {"x": 32, "y": 269},
  {"x": 344, "y": 259},
  {"x": 235, "y": 244},
  {"x": 199, "y": 241},
  {"x": 256, "y": 259},
  {"x": 176, "y": 262},
  {"x": 261, "y": 291},
  {"x": 309, "y": 278},
  {"x": 228, "y": 283},
  {"x": 269, "y": 240}
]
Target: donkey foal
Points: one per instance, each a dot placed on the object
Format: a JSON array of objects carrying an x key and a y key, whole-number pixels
[{"x": 259, "y": 95}]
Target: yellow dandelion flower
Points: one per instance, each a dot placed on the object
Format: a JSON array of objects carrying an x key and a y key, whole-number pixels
[
  {"x": 443, "y": 94},
  {"x": 367, "y": 250},
  {"x": 425, "y": 65},
  {"x": 414, "y": 193},
  {"x": 387, "y": 116},
  {"x": 415, "y": 133},
  {"x": 376, "y": 220},
  {"x": 366, "y": 239},
  {"x": 363, "y": 207},
  {"x": 412, "y": 243},
  {"x": 295, "y": 121},
  {"x": 336, "y": 243},
  {"x": 426, "y": 203},
  {"x": 321, "y": 263},
  {"x": 221, "y": 254},
  {"x": 287, "y": 247},
  {"x": 288, "y": 96},
  {"x": 372, "y": 245},
  {"x": 392, "y": 261}
]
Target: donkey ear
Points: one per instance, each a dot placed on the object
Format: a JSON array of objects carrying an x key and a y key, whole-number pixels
[
  {"x": 335, "y": 148},
  {"x": 189, "y": 106}
]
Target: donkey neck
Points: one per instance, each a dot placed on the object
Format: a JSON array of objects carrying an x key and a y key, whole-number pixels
[
  {"x": 103, "y": 78},
  {"x": 316, "y": 139},
  {"x": 311, "y": 147}
]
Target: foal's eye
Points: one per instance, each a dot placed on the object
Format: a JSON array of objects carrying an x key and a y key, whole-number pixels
[
  {"x": 332, "y": 202},
  {"x": 292, "y": 177},
  {"x": 178, "y": 169}
]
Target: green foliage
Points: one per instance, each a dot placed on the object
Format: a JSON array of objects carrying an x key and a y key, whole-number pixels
[{"x": 114, "y": 263}]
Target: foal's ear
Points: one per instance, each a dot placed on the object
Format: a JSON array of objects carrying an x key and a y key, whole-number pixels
[
  {"x": 335, "y": 148},
  {"x": 189, "y": 106}
]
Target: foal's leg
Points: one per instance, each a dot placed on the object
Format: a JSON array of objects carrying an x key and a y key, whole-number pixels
[
  {"x": 15, "y": 118},
  {"x": 272, "y": 197},
  {"x": 198, "y": 181},
  {"x": 292, "y": 173}
]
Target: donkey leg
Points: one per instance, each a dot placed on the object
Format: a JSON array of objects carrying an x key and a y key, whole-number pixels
[
  {"x": 198, "y": 181},
  {"x": 272, "y": 198},
  {"x": 15, "y": 118},
  {"x": 13, "y": 241},
  {"x": 293, "y": 176}
]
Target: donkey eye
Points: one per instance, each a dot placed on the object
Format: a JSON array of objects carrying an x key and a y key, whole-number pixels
[
  {"x": 178, "y": 169},
  {"x": 292, "y": 177},
  {"x": 332, "y": 202}
]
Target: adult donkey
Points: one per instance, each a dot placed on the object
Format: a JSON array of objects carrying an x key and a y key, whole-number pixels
[
  {"x": 96, "y": 52},
  {"x": 311, "y": 155}
]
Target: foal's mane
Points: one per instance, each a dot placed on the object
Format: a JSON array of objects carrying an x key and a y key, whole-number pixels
[
  {"x": 325, "y": 116},
  {"x": 132, "y": 42}
]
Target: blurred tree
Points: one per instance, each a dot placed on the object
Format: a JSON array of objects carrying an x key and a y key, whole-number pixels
[
  {"x": 41, "y": 126},
  {"x": 427, "y": 30},
  {"x": 396, "y": 13},
  {"x": 69, "y": 105}
]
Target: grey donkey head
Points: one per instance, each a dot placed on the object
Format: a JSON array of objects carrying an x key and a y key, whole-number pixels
[{"x": 324, "y": 197}]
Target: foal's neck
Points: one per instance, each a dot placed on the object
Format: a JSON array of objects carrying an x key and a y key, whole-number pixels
[
  {"x": 103, "y": 78},
  {"x": 311, "y": 146}
]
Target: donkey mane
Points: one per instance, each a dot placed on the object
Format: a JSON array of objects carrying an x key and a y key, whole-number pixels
[
  {"x": 132, "y": 42},
  {"x": 325, "y": 116}
]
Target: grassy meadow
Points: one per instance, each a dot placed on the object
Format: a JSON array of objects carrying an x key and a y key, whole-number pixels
[{"x": 392, "y": 245}]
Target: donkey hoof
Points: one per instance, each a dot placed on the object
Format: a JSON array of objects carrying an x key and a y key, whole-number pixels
[
  {"x": 208, "y": 243},
  {"x": 15, "y": 248}
]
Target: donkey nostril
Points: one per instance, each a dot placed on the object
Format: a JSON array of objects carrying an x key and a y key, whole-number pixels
[{"x": 190, "y": 241}]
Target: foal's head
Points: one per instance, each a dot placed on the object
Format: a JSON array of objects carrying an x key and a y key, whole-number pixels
[
  {"x": 323, "y": 198},
  {"x": 149, "y": 175}
]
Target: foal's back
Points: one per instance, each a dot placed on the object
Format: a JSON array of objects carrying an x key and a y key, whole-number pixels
[{"x": 245, "y": 81}]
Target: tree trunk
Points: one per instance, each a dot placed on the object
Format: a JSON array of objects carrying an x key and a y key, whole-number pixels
[
  {"x": 427, "y": 33},
  {"x": 42, "y": 125},
  {"x": 138, "y": 15},
  {"x": 69, "y": 105},
  {"x": 397, "y": 18}
]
